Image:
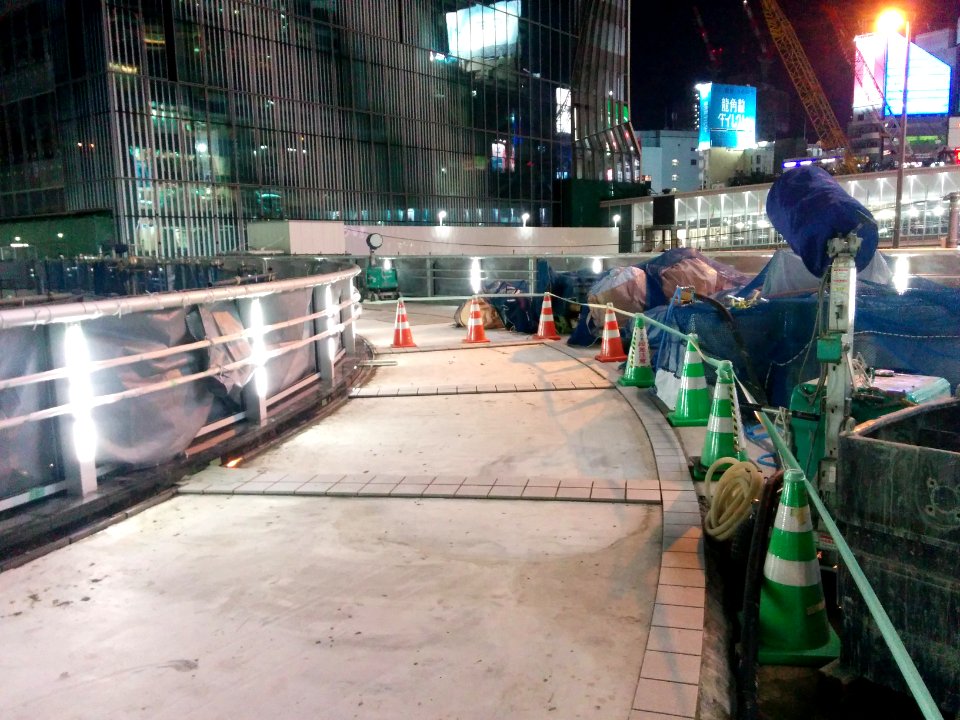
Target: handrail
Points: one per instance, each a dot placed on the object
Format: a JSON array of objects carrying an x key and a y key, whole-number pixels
[{"x": 72, "y": 312}]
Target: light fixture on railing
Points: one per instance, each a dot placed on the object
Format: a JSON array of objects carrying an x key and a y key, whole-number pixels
[
  {"x": 441, "y": 216},
  {"x": 524, "y": 218},
  {"x": 616, "y": 221},
  {"x": 80, "y": 393},
  {"x": 259, "y": 354},
  {"x": 597, "y": 266},
  {"x": 475, "y": 277}
]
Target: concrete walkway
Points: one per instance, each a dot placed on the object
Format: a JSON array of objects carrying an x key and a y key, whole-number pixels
[{"x": 412, "y": 601}]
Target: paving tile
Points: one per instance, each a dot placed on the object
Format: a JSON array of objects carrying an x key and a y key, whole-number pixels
[
  {"x": 645, "y": 496},
  {"x": 504, "y": 492},
  {"x": 682, "y": 530},
  {"x": 440, "y": 490},
  {"x": 417, "y": 479},
  {"x": 506, "y": 387},
  {"x": 609, "y": 484},
  {"x": 510, "y": 481},
  {"x": 478, "y": 481},
  {"x": 474, "y": 491},
  {"x": 647, "y": 715},
  {"x": 675, "y": 667},
  {"x": 192, "y": 488},
  {"x": 562, "y": 384},
  {"x": 678, "y": 640},
  {"x": 543, "y": 483},
  {"x": 607, "y": 494},
  {"x": 682, "y": 576},
  {"x": 690, "y": 560},
  {"x": 539, "y": 493},
  {"x": 678, "y": 595},
  {"x": 377, "y": 489},
  {"x": 426, "y": 391},
  {"x": 330, "y": 478},
  {"x": 447, "y": 390},
  {"x": 407, "y": 391},
  {"x": 360, "y": 478},
  {"x": 679, "y": 518},
  {"x": 221, "y": 488},
  {"x": 313, "y": 489},
  {"x": 678, "y": 616},
  {"x": 681, "y": 506},
  {"x": 408, "y": 490},
  {"x": 643, "y": 485},
  {"x": 681, "y": 545},
  {"x": 576, "y": 482},
  {"x": 687, "y": 495},
  {"x": 671, "y": 698},
  {"x": 449, "y": 479},
  {"x": 543, "y": 385},
  {"x": 218, "y": 473},
  {"x": 283, "y": 488},
  {"x": 345, "y": 488},
  {"x": 526, "y": 387},
  {"x": 385, "y": 479},
  {"x": 573, "y": 493},
  {"x": 388, "y": 392},
  {"x": 486, "y": 388},
  {"x": 466, "y": 389}
]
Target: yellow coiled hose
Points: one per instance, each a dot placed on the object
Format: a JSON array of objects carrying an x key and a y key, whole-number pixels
[{"x": 730, "y": 504}]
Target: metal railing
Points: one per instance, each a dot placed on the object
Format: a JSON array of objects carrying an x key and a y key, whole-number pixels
[{"x": 58, "y": 332}]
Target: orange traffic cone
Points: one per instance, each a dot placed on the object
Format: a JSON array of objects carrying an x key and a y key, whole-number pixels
[
  {"x": 402, "y": 337},
  {"x": 611, "y": 349},
  {"x": 475, "y": 332},
  {"x": 547, "y": 329}
]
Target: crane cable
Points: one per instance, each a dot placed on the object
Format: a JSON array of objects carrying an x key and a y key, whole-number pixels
[{"x": 730, "y": 504}]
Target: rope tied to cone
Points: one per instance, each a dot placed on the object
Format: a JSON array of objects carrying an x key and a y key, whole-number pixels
[{"x": 732, "y": 500}]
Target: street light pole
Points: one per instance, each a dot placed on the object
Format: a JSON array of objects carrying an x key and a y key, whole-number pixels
[{"x": 903, "y": 143}]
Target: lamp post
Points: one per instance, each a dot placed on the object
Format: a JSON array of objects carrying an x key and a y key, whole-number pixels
[
  {"x": 441, "y": 216},
  {"x": 524, "y": 218},
  {"x": 616, "y": 221},
  {"x": 890, "y": 21}
]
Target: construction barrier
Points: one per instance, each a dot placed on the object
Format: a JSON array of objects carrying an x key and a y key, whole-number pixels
[
  {"x": 638, "y": 372},
  {"x": 693, "y": 400}
]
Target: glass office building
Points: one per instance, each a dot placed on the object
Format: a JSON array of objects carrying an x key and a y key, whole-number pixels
[{"x": 183, "y": 119}]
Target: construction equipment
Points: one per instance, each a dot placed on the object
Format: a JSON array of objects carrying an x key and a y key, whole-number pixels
[
  {"x": 822, "y": 117},
  {"x": 713, "y": 53},
  {"x": 379, "y": 280}
]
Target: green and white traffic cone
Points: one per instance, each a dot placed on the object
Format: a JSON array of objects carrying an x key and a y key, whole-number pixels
[
  {"x": 794, "y": 629},
  {"x": 693, "y": 400},
  {"x": 724, "y": 430},
  {"x": 638, "y": 372}
]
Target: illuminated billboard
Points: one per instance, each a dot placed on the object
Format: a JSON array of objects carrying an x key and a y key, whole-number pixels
[
  {"x": 728, "y": 116},
  {"x": 879, "y": 75},
  {"x": 484, "y": 31}
]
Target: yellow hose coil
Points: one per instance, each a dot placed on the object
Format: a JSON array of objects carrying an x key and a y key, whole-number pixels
[{"x": 730, "y": 504}]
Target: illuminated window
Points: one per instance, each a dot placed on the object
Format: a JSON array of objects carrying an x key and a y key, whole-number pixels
[
  {"x": 674, "y": 162},
  {"x": 501, "y": 157},
  {"x": 564, "y": 124}
]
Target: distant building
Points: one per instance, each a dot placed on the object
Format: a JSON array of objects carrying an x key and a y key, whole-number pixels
[
  {"x": 933, "y": 94},
  {"x": 670, "y": 159}
]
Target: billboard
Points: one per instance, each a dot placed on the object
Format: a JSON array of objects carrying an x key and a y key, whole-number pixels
[
  {"x": 484, "y": 31},
  {"x": 728, "y": 116},
  {"x": 879, "y": 75}
]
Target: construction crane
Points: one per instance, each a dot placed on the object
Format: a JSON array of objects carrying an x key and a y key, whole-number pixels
[
  {"x": 811, "y": 93},
  {"x": 713, "y": 54}
]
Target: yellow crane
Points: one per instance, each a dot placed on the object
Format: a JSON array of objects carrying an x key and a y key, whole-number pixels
[{"x": 822, "y": 117}]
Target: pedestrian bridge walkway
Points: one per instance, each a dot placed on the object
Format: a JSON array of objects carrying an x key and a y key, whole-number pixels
[{"x": 395, "y": 559}]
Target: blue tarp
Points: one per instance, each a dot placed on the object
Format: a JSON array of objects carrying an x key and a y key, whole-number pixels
[{"x": 808, "y": 207}]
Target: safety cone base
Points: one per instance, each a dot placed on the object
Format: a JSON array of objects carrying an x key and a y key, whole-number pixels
[
  {"x": 686, "y": 421},
  {"x": 546, "y": 337},
  {"x": 815, "y": 657},
  {"x": 639, "y": 377},
  {"x": 469, "y": 341},
  {"x": 699, "y": 470}
]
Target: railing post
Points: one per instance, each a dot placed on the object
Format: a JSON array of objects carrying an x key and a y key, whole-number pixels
[
  {"x": 325, "y": 347},
  {"x": 255, "y": 391},
  {"x": 349, "y": 334},
  {"x": 76, "y": 432}
]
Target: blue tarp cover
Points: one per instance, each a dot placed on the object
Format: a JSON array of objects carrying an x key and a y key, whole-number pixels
[{"x": 808, "y": 207}]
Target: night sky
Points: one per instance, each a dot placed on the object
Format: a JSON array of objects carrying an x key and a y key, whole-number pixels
[{"x": 669, "y": 57}]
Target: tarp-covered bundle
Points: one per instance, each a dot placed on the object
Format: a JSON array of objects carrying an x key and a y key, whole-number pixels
[
  {"x": 808, "y": 207},
  {"x": 785, "y": 274},
  {"x": 916, "y": 332}
]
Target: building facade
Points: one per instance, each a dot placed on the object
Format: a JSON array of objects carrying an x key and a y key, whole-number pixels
[
  {"x": 670, "y": 160},
  {"x": 185, "y": 120}
]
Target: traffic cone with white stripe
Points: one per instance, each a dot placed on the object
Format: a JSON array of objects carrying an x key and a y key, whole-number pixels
[
  {"x": 611, "y": 348},
  {"x": 693, "y": 400},
  {"x": 638, "y": 372},
  {"x": 475, "y": 331},
  {"x": 402, "y": 337},
  {"x": 724, "y": 429},
  {"x": 547, "y": 329},
  {"x": 794, "y": 629}
]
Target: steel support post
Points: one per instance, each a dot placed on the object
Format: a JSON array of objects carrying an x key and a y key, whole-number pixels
[{"x": 78, "y": 464}]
